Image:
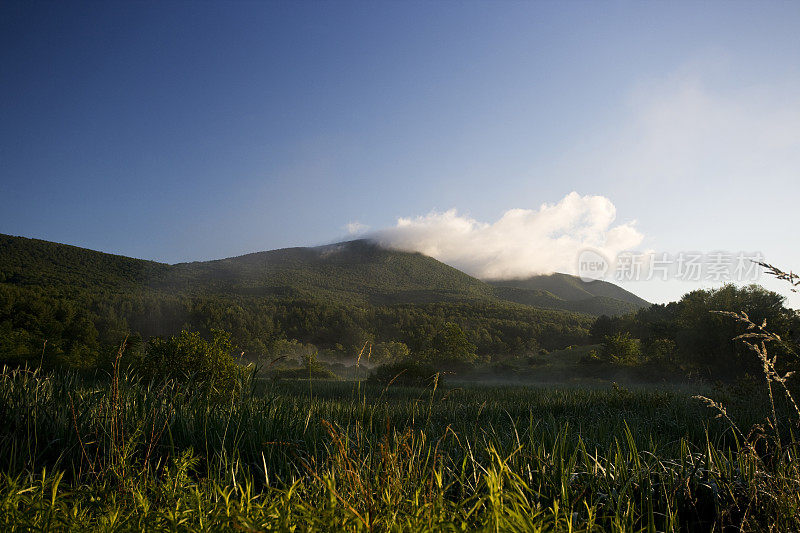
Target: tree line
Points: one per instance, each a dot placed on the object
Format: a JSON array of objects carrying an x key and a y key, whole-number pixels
[
  {"x": 690, "y": 336},
  {"x": 82, "y": 328}
]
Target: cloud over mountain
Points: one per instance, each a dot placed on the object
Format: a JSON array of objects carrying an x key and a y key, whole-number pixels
[{"x": 523, "y": 242}]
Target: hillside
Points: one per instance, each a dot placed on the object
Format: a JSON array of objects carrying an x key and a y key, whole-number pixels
[
  {"x": 351, "y": 272},
  {"x": 562, "y": 291},
  {"x": 38, "y": 263},
  {"x": 355, "y": 272}
]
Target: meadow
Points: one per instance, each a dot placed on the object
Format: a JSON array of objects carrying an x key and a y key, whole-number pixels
[{"x": 92, "y": 453}]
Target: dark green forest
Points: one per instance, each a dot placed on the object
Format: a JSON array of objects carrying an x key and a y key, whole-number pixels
[
  {"x": 692, "y": 336},
  {"x": 83, "y": 303},
  {"x": 66, "y": 306}
]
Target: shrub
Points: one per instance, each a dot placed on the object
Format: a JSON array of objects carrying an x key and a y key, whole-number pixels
[
  {"x": 535, "y": 360},
  {"x": 407, "y": 373},
  {"x": 621, "y": 349},
  {"x": 315, "y": 372},
  {"x": 451, "y": 349},
  {"x": 661, "y": 351},
  {"x": 189, "y": 356},
  {"x": 290, "y": 351},
  {"x": 591, "y": 358},
  {"x": 389, "y": 352}
]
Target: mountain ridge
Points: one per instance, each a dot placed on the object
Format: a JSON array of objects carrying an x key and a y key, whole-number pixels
[
  {"x": 352, "y": 272},
  {"x": 571, "y": 288}
]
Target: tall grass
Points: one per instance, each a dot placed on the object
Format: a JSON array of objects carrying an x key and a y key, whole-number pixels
[{"x": 122, "y": 454}]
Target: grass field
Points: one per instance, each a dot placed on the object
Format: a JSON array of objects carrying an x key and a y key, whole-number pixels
[{"x": 118, "y": 454}]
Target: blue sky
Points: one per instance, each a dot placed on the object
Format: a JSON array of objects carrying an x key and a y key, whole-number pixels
[{"x": 185, "y": 131}]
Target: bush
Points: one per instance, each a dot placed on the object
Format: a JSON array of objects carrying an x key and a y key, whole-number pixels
[
  {"x": 591, "y": 358},
  {"x": 661, "y": 351},
  {"x": 450, "y": 346},
  {"x": 315, "y": 372},
  {"x": 535, "y": 360},
  {"x": 389, "y": 352},
  {"x": 406, "y": 373},
  {"x": 290, "y": 351},
  {"x": 621, "y": 349},
  {"x": 188, "y": 356}
]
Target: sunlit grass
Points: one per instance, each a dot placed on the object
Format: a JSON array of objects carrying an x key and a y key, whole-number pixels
[{"x": 85, "y": 454}]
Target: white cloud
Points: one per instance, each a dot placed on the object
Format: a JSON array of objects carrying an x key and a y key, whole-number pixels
[
  {"x": 355, "y": 227},
  {"x": 523, "y": 242}
]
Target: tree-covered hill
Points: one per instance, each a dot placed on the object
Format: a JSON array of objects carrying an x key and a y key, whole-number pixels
[
  {"x": 44, "y": 264},
  {"x": 74, "y": 305},
  {"x": 562, "y": 291},
  {"x": 354, "y": 273},
  {"x": 593, "y": 305}
]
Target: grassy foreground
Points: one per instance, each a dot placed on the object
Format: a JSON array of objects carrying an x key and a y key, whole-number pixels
[{"x": 120, "y": 454}]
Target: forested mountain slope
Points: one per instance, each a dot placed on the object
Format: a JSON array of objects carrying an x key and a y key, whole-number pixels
[
  {"x": 355, "y": 272},
  {"x": 562, "y": 291},
  {"x": 75, "y": 305}
]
